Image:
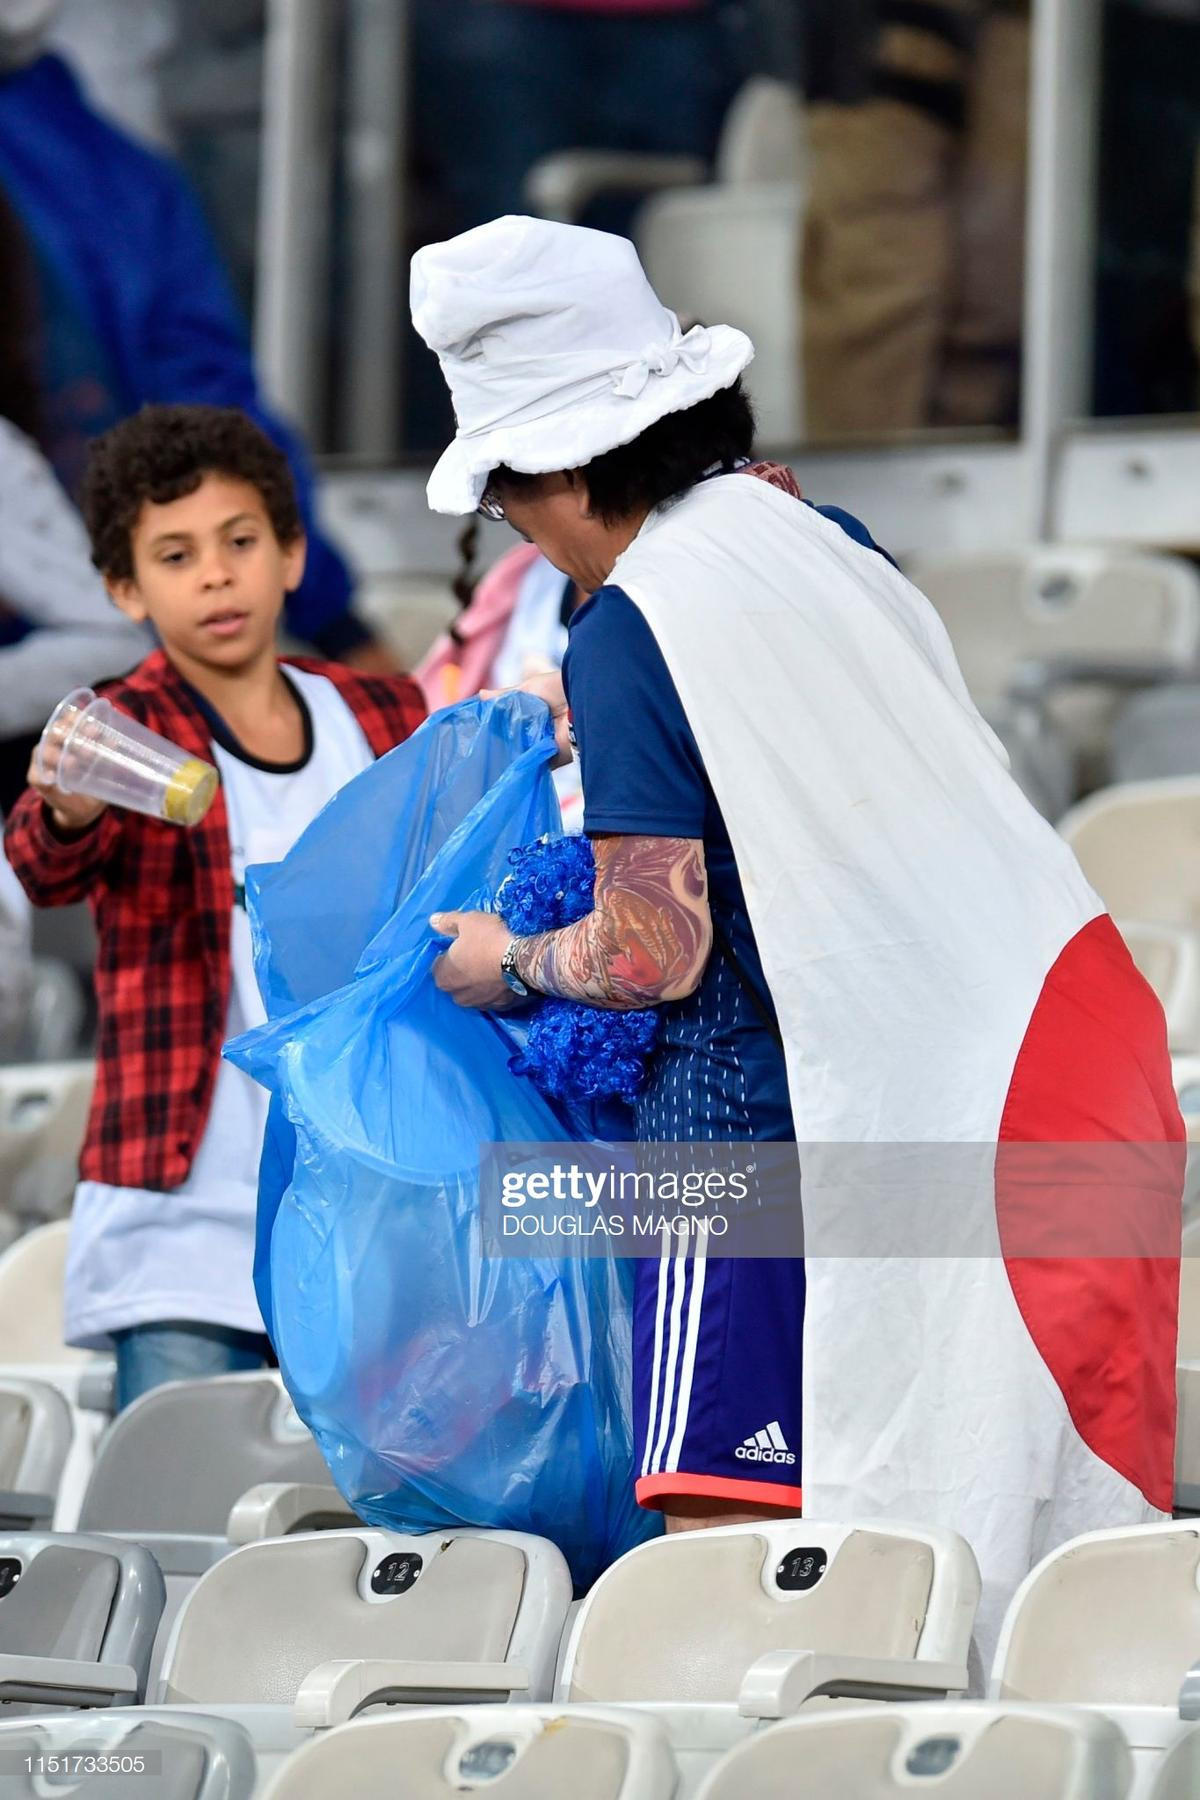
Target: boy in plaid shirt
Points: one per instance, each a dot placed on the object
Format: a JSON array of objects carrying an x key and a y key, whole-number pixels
[{"x": 195, "y": 527}]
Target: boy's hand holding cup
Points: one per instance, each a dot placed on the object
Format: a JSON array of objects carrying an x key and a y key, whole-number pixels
[
  {"x": 69, "y": 812},
  {"x": 92, "y": 755}
]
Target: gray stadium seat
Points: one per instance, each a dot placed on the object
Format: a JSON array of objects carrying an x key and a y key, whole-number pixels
[
  {"x": 177, "y": 1459},
  {"x": 1187, "y": 1373},
  {"x": 964, "y": 1752},
  {"x": 697, "y": 238},
  {"x": 43, "y": 1113},
  {"x": 804, "y": 1608},
  {"x": 31, "y": 1306},
  {"x": 57, "y": 1012},
  {"x": 31, "y": 1347},
  {"x": 1039, "y": 756},
  {"x": 696, "y": 245},
  {"x": 1185, "y": 1071},
  {"x": 1157, "y": 734},
  {"x": 148, "y": 1752},
  {"x": 1072, "y": 626},
  {"x": 512, "y": 1752},
  {"x": 1139, "y": 846},
  {"x": 172, "y": 1466},
  {"x": 1110, "y": 1620},
  {"x": 1169, "y": 958},
  {"x": 78, "y": 1617},
  {"x": 283, "y": 1508},
  {"x": 1111, "y": 1617},
  {"x": 35, "y": 1440},
  {"x": 1178, "y": 1775},
  {"x": 335, "y": 1621},
  {"x": 762, "y": 141},
  {"x": 717, "y": 1631}
]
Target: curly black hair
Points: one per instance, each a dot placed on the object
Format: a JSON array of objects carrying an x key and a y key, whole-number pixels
[
  {"x": 667, "y": 459},
  {"x": 164, "y": 452}
]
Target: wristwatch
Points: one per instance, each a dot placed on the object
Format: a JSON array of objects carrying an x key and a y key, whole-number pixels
[{"x": 508, "y": 969}]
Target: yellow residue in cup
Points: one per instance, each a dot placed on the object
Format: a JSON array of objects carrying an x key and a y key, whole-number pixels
[{"x": 190, "y": 792}]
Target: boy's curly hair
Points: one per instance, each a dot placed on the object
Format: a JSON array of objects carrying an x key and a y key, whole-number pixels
[{"x": 164, "y": 452}]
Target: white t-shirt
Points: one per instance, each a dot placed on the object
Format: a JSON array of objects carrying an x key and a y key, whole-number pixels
[{"x": 137, "y": 1257}]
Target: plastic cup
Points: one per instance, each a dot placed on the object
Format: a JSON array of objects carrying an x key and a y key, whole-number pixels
[{"x": 90, "y": 747}]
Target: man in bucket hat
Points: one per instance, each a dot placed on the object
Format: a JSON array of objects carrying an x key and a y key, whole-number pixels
[{"x": 811, "y": 855}]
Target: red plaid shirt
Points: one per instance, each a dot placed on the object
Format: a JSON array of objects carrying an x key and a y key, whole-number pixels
[{"x": 163, "y": 903}]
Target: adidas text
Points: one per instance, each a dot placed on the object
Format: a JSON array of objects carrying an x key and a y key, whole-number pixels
[{"x": 766, "y": 1446}]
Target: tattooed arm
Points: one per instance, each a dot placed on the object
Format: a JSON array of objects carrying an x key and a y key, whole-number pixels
[{"x": 648, "y": 939}]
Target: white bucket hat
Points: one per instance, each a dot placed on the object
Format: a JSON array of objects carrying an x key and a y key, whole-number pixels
[{"x": 555, "y": 348}]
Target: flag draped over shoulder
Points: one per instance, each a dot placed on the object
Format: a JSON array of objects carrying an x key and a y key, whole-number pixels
[{"x": 991, "y": 1153}]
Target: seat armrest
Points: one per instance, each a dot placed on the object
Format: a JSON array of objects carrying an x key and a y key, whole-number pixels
[
  {"x": 563, "y": 186},
  {"x": 336, "y": 1691},
  {"x": 97, "y": 1390},
  {"x": 22, "y": 1511},
  {"x": 61, "y": 1681},
  {"x": 778, "y": 1684},
  {"x": 1189, "y": 1694},
  {"x": 277, "y": 1508},
  {"x": 1035, "y": 678}
]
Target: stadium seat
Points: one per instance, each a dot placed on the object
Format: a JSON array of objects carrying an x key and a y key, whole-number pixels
[
  {"x": 1139, "y": 846},
  {"x": 516, "y": 1752},
  {"x": 31, "y": 1302},
  {"x": 1111, "y": 1617},
  {"x": 1178, "y": 1775},
  {"x": 171, "y": 1468},
  {"x": 43, "y": 1113},
  {"x": 154, "y": 1752},
  {"x": 722, "y": 1629},
  {"x": 1187, "y": 1374},
  {"x": 1158, "y": 734},
  {"x": 804, "y": 1609},
  {"x": 78, "y": 1618},
  {"x": 55, "y": 1028},
  {"x": 32, "y": 1348},
  {"x": 35, "y": 1439},
  {"x": 1186, "y": 1072},
  {"x": 335, "y": 1621},
  {"x": 1039, "y": 755},
  {"x": 178, "y": 1458},
  {"x": 696, "y": 245},
  {"x": 1072, "y": 627},
  {"x": 1169, "y": 957},
  {"x": 1110, "y": 1620},
  {"x": 964, "y": 1752},
  {"x": 283, "y": 1508},
  {"x": 762, "y": 140},
  {"x": 697, "y": 238}
]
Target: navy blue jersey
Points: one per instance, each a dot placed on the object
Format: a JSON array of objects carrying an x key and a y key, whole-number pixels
[{"x": 719, "y": 1073}]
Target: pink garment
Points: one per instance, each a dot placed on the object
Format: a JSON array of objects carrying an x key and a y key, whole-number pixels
[{"x": 460, "y": 662}]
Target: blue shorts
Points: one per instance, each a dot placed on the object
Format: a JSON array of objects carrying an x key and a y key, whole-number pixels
[{"x": 717, "y": 1357}]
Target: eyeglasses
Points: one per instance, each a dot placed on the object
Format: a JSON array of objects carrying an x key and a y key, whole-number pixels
[{"x": 491, "y": 506}]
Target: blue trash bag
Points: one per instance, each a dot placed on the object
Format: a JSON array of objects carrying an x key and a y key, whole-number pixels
[{"x": 444, "y": 1388}]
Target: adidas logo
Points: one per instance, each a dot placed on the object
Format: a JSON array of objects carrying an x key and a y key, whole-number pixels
[{"x": 768, "y": 1445}]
